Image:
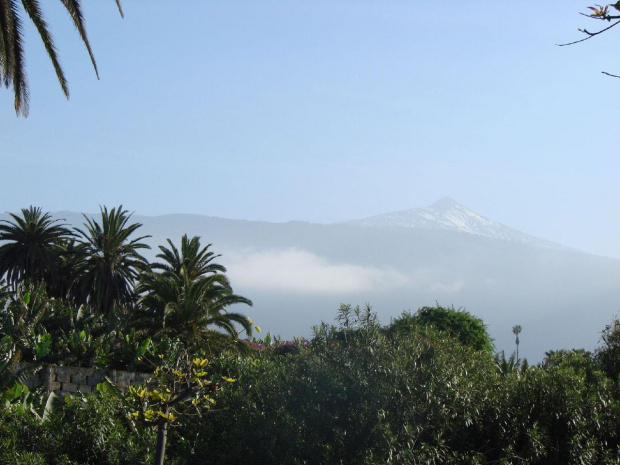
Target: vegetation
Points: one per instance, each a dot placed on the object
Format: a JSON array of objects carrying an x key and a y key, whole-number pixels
[
  {"x": 427, "y": 388},
  {"x": 87, "y": 297},
  {"x": 12, "y": 60}
]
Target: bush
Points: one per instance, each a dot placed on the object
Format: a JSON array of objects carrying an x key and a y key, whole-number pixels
[{"x": 86, "y": 429}]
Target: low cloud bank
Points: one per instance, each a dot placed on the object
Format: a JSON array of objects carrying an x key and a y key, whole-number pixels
[{"x": 299, "y": 271}]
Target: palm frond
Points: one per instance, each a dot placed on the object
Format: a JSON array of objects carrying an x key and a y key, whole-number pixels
[
  {"x": 74, "y": 8},
  {"x": 120, "y": 8},
  {"x": 14, "y": 72},
  {"x": 33, "y": 9}
]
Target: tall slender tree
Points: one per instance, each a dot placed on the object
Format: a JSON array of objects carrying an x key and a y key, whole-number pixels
[{"x": 516, "y": 330}]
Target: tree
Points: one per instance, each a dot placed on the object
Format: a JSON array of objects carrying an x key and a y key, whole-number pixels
[
  {"x": 459, "y": 324},
  {"x": 192, "y": 262},
  {"x": 203, "y": 304},
  {"x": 12, "y": 64},
  {"x": 111, "y": 262},
  {"x": 516, "y": 329},
  {"x": 33, "y": 248},
  {"x": 180, "y": 383},
  {"x": 190, "y": 296},
  {"x": 608, "y": 354}
]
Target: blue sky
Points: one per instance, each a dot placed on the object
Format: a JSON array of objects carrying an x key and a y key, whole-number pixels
[{"x": 325, "y": 110}]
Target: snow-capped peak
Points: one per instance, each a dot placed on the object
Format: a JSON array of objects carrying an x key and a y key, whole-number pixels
[{"x": 447, "y": 214}]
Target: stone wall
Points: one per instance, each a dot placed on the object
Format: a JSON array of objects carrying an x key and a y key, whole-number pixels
[{"x": 66, "y": 380}]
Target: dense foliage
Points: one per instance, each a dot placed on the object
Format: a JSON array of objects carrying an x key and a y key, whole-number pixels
[
  {"x": 87, "y": 297},
  {"x": 357, "y": 394},
  {"x": 425, "y": 389},
  {"x": 460, "y": 324}
]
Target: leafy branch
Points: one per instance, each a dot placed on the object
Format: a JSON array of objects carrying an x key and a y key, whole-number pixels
[{"x": 602, "y": 13}]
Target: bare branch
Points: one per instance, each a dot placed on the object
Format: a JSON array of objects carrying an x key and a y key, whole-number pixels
[
  {"x": 590, "y": 34},
  {"x": 607, "y": 18},
  {"x": 608, "y": 74}
]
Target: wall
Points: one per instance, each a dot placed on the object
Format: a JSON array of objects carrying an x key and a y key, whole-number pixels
[{"x": 65, "y": 380}]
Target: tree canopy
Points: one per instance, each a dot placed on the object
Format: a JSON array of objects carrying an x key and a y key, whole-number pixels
[{"x": 468, "y": 329}]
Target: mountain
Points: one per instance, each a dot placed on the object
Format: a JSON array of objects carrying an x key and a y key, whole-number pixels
[
  {"x": 448, "y": 215},
  {"x": 298, "y": 273}
]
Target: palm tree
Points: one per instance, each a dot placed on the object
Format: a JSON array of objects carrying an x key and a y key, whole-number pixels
[
  {"x": 12, "y": 65},
  {"x": 516, "y": 329},
  {"x": 111, "y": 261},
  {"x": 192, "y": 262},
  {"x": 190, "y": 296},
  {"x": 32, "y": 251},
  {"x": 72, "y": 258},
  {"x": 192, "y": 308}
]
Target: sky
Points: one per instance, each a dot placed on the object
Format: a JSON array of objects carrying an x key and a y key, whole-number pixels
[{"x": 325, "y": 111}]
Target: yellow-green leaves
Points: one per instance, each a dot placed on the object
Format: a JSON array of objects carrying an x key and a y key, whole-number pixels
[
  {"x": 200, "y": 362},
  {"x": 179, "y": 384},
  {"x": 599, "y": 11},
  {"x": 602, "y": 11},
  {"x": 167, "y": 416},
  {"x": 139, "y": 392}
]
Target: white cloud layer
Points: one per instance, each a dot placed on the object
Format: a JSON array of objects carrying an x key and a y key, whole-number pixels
[{"x": 293, "y": 270}]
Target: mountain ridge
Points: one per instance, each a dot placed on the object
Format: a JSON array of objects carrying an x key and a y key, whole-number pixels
[
  {"x": 449, "y": 215},
  {"x": 446, "y": 214}
]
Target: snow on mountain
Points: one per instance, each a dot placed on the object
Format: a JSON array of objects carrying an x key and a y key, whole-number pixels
[{"x": 449, "y": 215}]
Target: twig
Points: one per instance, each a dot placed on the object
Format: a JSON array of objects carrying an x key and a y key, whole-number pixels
[
  {"x": 590, "y": 34},
  {"x": 608, "y": 74},
  {"x": 607, "y": 18}
]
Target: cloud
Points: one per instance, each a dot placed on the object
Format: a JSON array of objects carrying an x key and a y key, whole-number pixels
[{"x": 299, "y": 271}]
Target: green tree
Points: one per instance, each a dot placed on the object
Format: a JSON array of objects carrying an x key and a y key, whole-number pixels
[
  {"x": 111, "y": 262},
  {"x": 200, "y": 305},
  {"x": 355, "y": 394},
  {"x": 191, "y": 262},
  {"x": 608, "y": 354},
  {"x": 12, "y": 60},
  {"x": 181, "y": 384},
  {"x": 71, "y": 261},
  {"x": 190, "y": 297},
  {"x": 32, "y": 250},
  {"x": 468, "y": 329}
]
